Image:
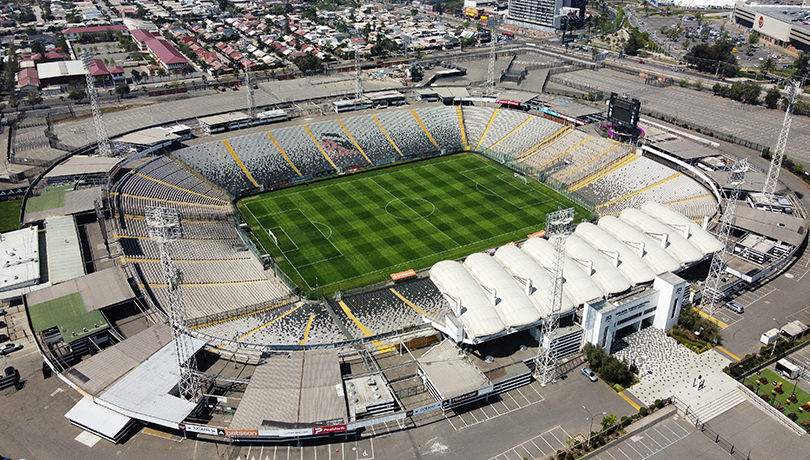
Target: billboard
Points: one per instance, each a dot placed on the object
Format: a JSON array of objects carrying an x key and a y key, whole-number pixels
[{"x": 329, "y": 429}]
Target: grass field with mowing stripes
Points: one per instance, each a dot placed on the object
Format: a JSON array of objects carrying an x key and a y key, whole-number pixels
[{"x": 348, "y": 232}]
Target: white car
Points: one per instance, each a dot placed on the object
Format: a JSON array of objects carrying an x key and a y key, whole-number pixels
[
  {"x": 10, "y": 348},
  {"x": 589, "y": 373}
]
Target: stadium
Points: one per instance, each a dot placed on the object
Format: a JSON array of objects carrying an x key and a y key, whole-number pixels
[{"x": 379, "y": 254}]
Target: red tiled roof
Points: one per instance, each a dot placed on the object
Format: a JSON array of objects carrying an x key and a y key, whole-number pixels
[
  {"x": 27, "y": 77},
  {"x": 166, "y": 52},
  {"x": 141, "y": 35},
  {"x": 94, "y": 29}
]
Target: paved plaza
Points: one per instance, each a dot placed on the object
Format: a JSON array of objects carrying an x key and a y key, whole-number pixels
[{"x": 667, "y": 368}]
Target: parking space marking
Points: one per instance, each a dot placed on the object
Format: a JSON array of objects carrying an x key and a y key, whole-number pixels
[
  {"x": 475, "y": 414},
  {"x": 528, "y": 445},
  {"x": 649, "y": 442}
]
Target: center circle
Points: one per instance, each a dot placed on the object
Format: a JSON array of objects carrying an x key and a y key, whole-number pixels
[{"x": 409, "y": 208}]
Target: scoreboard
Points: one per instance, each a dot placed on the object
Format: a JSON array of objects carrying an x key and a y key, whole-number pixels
[{"x": 623, "y": 111}]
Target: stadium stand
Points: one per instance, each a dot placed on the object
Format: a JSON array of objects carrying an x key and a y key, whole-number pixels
[
  {"x": 504, "y": 124},
  {"x": 525, "y": 137},
  {"x": 406, "y": 131},
  {"x": 443, "y": 125},
  {"x": 213, "y": 162},
  {"x": 476, "y": 120},
  {"x": 557, "y": 155},
  {"x": 303, "y": 151},
  {"x": 262, "y": 158},
  {"x": 371, "y": 138},
  {"x": 382, "y": 311},
  {"x": 343, "y": 151},
  {"x": 695, "y": 208}
]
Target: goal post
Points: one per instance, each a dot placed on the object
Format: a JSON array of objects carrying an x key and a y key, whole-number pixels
[
  {"x": 272, "y": 235},
  {"x": 521, "y": 177}
]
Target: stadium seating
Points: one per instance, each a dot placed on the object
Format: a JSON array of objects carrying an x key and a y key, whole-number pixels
[
  {"x": 261, "y": 158},
  {"x": 381, "y": 311},
  {"x": 370, "y": 137},
  {"x": 406, "y": 132},
  {"x": 442, "y": 124},
  {"x": 505, "y": 122},
  {"x": 556, "y": 154},
  {"x": 536, "y": 130},
  {"x": 337, "y": 144},
  {"x": 476, "y": 120},
  {"x": 213, "y": 162},
  {"x": 695, "y": 208},
  {"x": 303, "y": 151}
]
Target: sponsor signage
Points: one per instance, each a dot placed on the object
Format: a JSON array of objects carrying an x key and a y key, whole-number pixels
[
  {"x": 202, "y": 429},
  {"x": 464, "y": 397},
  {"x": 540, "y": 234},
  {"x": 241, "y": 433},
  {"x": 329, "y": 429},
  {"x": 423, "y": 409},
  {"x": 286, "y": 433},
  {"x": 402, "y": 275},
  {"x": 504, "y": 101}
]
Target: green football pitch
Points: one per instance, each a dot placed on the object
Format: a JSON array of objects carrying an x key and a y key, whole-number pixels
[{"x": 348, "y": 232}]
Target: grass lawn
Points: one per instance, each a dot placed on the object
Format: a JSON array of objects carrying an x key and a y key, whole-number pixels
[
  {"x": 10, "y": 215},
  {"x": 787, "y": 386},
  {"x": 344, "y": 233},
  {"x": 52, "y": 197},
  {"x": 69, "y": 314}
]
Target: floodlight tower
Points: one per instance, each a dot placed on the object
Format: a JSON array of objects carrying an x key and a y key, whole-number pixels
[
  {"x": 489, "y": 88},
  {"x": 104, "y": 148},
  {"x": 781, "y": 144},
  {"x": 711, "y": 289},
  {"x": 558, "y": 227},
  {"x": 164, "y": 229},
  {"x": 358, "y": 81},
  {"x": 251, "y": 98}
]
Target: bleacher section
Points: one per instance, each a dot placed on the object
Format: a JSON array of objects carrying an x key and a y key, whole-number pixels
[
  {"x": 506, "y": 121},
  {"x": 406, "y": 132},
  {"x": 262, "y": 159},
  {"x": 372, "y": 139},
  {"x": 303, "y": 151},
  {"x": 213, "y": 162},
  {"x": 338, "y": 145},
  {"x": 525, "y": 137},
  {"x": 439, "y": 122},
  {"x": 476, "y": 120},
  {"x": 556, "y": 155},
  {"x": 219, "y": 273},
  {"x": 695, "y": 208}
]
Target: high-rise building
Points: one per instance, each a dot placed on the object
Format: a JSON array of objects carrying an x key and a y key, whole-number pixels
[{"x": 554, "y": 14}]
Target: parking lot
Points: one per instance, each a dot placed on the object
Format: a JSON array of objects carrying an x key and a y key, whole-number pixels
[
  {"x": 497, "y": 406},
  {"x": 541, "y": 446},
  {"x": 650, "y": 442}
]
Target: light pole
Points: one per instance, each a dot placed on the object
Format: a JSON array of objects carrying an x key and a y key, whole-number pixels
[
  {"x": 777, "y": 338},
  {"x": 590, "y": 428}
]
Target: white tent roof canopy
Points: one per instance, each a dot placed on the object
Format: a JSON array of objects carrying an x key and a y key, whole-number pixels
[
  {"x": 578, "y": 286},
  {"x": 696, "y": 234},
  {"x": 652, "y": 253},
  {"x": 676, "y": 245},
  {"x": 627, "y": 260}
]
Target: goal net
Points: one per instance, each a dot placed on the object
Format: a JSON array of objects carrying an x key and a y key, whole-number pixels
[{"x": 272, "y": 235}]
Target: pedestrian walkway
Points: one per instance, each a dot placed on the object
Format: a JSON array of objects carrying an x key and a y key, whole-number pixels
[{"x": 667, "y": 368}]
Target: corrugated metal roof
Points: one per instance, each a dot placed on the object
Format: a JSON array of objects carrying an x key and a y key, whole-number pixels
[
  {"x": 296, "y": 389},
  {"x": 96, "y": 418},
  {"x": 64, "y": 252},
  {"x": 145, "y": 389},
  {"x": 451, "y": 373}
]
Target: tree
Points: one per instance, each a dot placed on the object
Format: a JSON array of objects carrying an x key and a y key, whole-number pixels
[
  {"x": 772, "y": 97},
  {"x": 800, "y": 67},
  {"x": 33, "y": 99},
  {"x": 713, "y": 58},
  {"x": 595, "y": 355},
  {"x": 608, "y": 421},
  {"x": 636, "y": 42},
  {"x": 76, "y": 95},
  {"x": 767, "y": 66},
  {"x": 161, "y": 72},
  {"x": 136, "y": 76},
  {"x": 753, "y": 38},
  {"x": 122, "y": 90},
  {"x": 308, "y": 63},
  {"x": 14, "y": 102}
]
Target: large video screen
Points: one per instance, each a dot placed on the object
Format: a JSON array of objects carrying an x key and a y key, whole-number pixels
[{"x": 623, "y": 111}]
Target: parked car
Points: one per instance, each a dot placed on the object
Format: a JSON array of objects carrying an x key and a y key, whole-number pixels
[
  {"x": 589, "y": 373},
  {"x": 10, "y": 348},
  {"x": 3, "y": 312},
  {"x": 3, "y": 338},
  {"x": 735, "y": 307}
]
